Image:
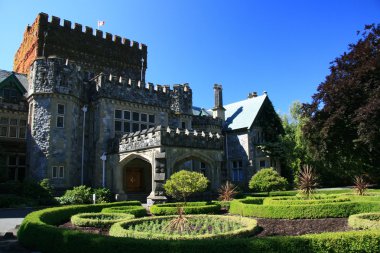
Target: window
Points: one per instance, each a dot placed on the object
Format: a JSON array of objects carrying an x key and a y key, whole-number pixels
[
  {"x": 60, "y": 115},
  {"x": 262, "y": 164},
  {"x": 22, "y": 129},
  {"x": 127, "y": 121},
  {"x": 13, "y": 128},
  {"x": 237, "y": 171},
  {"x": 203, "y": 168},
  {"x": 58, "y": 172},
  {"x": 4, "y": 126},
  {"x": 16, "y": 167}
]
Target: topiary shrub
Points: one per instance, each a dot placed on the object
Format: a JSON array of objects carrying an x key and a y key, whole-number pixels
[
  {"x": 267, "y": 180},
  {"x": 99, "y": 220},
  {"x": 365, "y": 221},
  {"x": 137, "y": 211},
  {"x": 78, "y": 195}
]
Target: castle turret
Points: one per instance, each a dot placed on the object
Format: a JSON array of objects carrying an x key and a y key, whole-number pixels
[{"x": 218, "y": 110}]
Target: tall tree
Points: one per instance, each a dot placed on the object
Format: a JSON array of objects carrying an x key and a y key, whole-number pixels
[{"x": 343, "y": 119}]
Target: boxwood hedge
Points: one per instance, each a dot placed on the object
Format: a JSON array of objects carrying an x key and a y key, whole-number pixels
[
  {"x": 249, "y": 227},
  {"x": 39, "y": 232},
  {"x": 365, "y": 221},
  {"x": 99, "y": 220},
  {"x": 259, "y": 207},
  {"x": 137, "y": 211},
  {"x": 189, "y": 208}
]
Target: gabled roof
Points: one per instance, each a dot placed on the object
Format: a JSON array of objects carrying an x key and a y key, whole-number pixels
[
  {"x": 242, "y": 114},
  {"x": 20, "y": 78},
  {"x": 197, "y": 111}
]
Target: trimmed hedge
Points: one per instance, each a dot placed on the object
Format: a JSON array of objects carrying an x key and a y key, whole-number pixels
[
  {"x": 137, "y": 211},
  {"x": 365, "y": 221},
  {"x": 300, "y": 201},
  {"x": 39, "y": 232},
  {"x": 99, "y": 220},
  {"x": 190, "y": 208},
  {"x": 256, "y": 207},
  {"x": 120, "y": 229}
]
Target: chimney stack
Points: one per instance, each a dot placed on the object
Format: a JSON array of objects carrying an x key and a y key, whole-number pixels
[
  {"x": 218, "y": 110},
  {"x": 252, "y": 94}
]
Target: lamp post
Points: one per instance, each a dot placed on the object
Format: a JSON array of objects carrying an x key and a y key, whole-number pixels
[
  {"x": 84, "y": 109},
  {"x": 104, "y": 158}
]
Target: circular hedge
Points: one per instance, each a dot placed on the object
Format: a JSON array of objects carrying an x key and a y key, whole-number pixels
[
  {"x": 188, "y": 208},
  {"x": 199, "y": 227},
  {"x": 39, "y": 232},
  {"x": 137, "y": 211},
  {"x": 365, "y": 221},
  {"x": 99, "y": 219},
  {"x": 293, "y": 208}
]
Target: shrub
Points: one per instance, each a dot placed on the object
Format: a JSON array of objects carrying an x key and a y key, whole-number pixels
[
  {"x": 137, "y": 211},
  {"x": 267, "y": 180},
  {"x": 38, "y": 232},
  {"x": 208, "y": 227},
  {"x": 227, "y": 191},
  {"x": 190, "y": 208},
  {"x": 78, "y": 195},
  {"x": 307, "y": 181},
  {"x": 360, "y": 185},
  {"x": 184, "y": 183},
  {"x": 103, "y": 195},
  {"x": 99, "y": 220},
  {"x": 365, "y": 221}
]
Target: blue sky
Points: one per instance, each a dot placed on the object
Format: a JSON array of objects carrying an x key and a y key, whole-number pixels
[{"x": 282, "y": 47}]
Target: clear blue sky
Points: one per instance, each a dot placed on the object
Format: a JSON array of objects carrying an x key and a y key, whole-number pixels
[{"x": 282, "y": 47}]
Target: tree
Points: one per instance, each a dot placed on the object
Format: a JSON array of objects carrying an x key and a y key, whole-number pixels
[
  {"x": 343, "y": 119},
  {"x": 267, "y": 180},
  {"x": 184, "y": 183}
]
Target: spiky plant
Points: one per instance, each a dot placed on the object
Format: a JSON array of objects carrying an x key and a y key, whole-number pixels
[
  {"x": 307, "y": 181},
  {"x": 179, "y": 224},
  {"x": 361, "y": 185},
  {"x": 227, "y": 191}
]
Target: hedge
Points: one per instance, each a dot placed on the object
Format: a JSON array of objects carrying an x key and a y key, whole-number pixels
[
  {"x": 300, "y": 201},
  {"x": 137, "y": 211},
  {"x": 189, "y": 208},
  {"x": 365, "y": 221},
  {"x": 39, "y": 232},
  {"x": 256, "y": 207},
  {"x": 99, "y": 220},
  {"x": 250, "y": 228}
]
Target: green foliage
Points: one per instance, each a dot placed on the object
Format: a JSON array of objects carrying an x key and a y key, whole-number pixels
[
  {"x": 189, "y": 208},
  {"x": 200, "y": 227},
  {"x": 305, "y": 209},
  {"x": 343, "y": 119},
  {"x": 103, "y": 195},
  {"x": 267, "y": 180},
  {"x": 99, "y": 220},
  {"x": 137, "y": 211},
  {"x": 365, "y": 221},
  {"x": 78, "y": 195},
  {"x": 38, "y": 232},
  {"x": 360, "y": 185},
  {"x": 182, "y": 184},
  {"x": 307, "y": 182}
]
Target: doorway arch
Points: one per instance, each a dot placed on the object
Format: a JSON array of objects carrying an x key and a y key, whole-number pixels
[{"x": 137, "y": 176}]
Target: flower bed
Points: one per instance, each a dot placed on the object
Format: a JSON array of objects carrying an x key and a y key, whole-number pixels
[
  {"x": 189, "y": 208},
  {"x": 99, "y": 219},
  {"x": 137, "y": 211},
  {"x": 198, "y": 227},
  {"x": 365, "y": 221}
]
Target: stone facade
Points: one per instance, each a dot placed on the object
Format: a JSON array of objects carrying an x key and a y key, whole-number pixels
[{"x": 87, "y": 97}]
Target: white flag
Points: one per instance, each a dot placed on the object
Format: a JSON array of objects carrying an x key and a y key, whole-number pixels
[{"x": 101, "y": 23}]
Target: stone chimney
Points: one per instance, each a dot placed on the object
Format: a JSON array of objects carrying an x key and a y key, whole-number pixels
[
  {"x": 252, "y": 94},
  {"x": 218, "y": 110}
]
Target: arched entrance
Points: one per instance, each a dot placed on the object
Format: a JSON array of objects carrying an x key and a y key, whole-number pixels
[{"x": 137, "y": 176}]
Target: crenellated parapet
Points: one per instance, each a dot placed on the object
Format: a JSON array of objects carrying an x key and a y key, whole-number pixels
[
  {"x": 181, "y": 99},
  {"x": 92, "y": 49},
  {"x": 161, "y": 136}
]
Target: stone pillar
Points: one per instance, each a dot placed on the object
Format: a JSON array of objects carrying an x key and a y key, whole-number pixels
[{"x": 158, "y": 176}]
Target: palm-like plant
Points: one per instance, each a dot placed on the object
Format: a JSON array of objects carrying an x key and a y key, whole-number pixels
[
  {"x": 361, "y": 185},
  {"x": 227, "y": 191},
  {"x": 307, "y": 181}
]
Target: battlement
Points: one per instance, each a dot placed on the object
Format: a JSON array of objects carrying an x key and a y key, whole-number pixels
[
  {"x": 166, "y": 136},
  {"x": 96, "y": 50}
]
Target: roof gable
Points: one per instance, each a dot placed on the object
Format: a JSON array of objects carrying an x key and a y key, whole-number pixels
[
  {"x": 242, "y": 114},
  {"x": 16, "y": 80}
]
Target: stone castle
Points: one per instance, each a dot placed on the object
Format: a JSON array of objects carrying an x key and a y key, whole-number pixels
[{"x": 76, "y": 109}]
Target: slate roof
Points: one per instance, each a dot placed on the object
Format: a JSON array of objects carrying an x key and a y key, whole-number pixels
[
  {"x": 4, "y": 74},
  {"x": 242, "y": 114}
]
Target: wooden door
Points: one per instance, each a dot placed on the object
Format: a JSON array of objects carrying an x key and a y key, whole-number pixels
[{"x": 134, "y": 179}]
